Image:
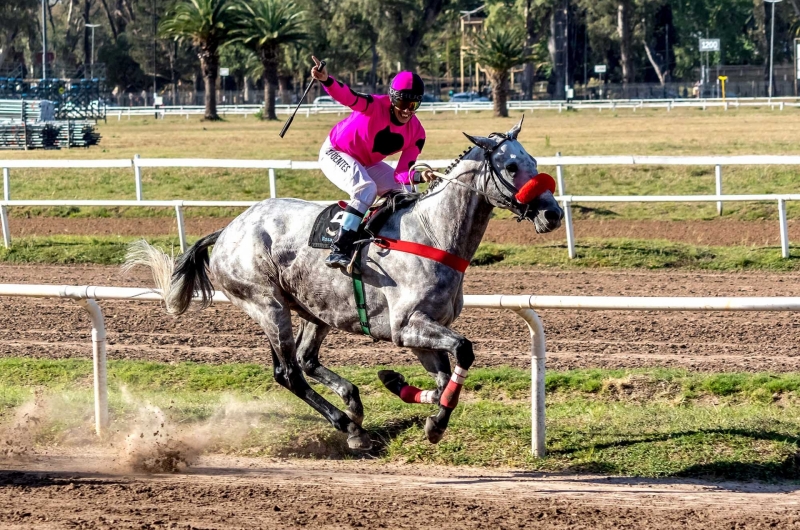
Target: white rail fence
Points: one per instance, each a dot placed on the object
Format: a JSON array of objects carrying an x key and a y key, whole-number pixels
[
  {"x": 523, "y": 305},
  {"x": 559, "y": 162},
  {"x": 467, "y": 106}
]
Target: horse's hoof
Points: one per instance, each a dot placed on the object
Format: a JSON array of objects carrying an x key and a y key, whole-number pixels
[
  {"x": 393, "y": 381},
  {"x": 359, "y": 442},
  {"x": 432, "y": 431}
]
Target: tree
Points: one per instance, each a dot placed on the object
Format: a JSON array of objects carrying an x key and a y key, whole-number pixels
[
  {"x": 404, "y": 25},
  {"x": 15, "y": 17},
  {"x": 499, "y": 50},
  {"x": 207, "y": 24},
  {"x": 265, "y": 27}
]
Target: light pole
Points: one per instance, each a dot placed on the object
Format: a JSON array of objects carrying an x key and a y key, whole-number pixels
[
  {"x": 771, "y": 42},
  {"x": 44, "y": 41},
  {"x": 92, "y": 58}
]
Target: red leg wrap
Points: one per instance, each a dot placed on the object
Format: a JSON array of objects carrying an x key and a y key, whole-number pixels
[
  {"x": 449, "y": 398},
  {"x": 412, "y": 394}
]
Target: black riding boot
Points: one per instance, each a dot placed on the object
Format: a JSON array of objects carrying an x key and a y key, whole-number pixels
[{"x": 342, "y": 248}]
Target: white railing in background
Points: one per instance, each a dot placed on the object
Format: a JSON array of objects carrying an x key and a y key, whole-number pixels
[
  {"x": 558, "y": 161},
  {"x": 467, "y": 106},
  {"x": 524, "y": 305}
]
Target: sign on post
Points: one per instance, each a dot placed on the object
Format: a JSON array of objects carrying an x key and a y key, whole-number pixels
[
  {"x": 709, "y": 45},
  {"x": 599, "y": 68},
  {"x": 224, "y": 72}
]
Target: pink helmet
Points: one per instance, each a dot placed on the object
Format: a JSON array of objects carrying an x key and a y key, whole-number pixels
[{"x": 406, "y": 86}]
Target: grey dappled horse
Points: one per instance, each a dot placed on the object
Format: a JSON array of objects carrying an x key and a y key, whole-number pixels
[{"x": 263, "y": 263}]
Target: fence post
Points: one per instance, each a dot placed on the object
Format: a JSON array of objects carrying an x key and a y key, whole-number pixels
[
  {"x": 99, "y": 364},
  {"x": 272, "y": 184},
  {"x": 6, "y": 229},
  {"x": 137, "y": 173},
  {"x": 560, "y": 175},
  {"x": 784, "y": 228},
  {"x": 718, "y": 178},
  {"x": 6, "y": 184},
  {"x": 538, "y": 355},
  {"x": 181, "y": 229},
  {"x": 567, "y": 207}
]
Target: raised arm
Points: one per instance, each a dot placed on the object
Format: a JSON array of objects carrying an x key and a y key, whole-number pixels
[{"x": 339, "y": 91}]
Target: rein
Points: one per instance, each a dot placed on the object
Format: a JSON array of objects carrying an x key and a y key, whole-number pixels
[{"x": 520, "y": 199}]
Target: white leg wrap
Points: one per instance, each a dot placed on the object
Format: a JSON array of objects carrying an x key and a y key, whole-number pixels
[
  {"x": 459, "y": 375},
  {"x": 426, "y": 396}
]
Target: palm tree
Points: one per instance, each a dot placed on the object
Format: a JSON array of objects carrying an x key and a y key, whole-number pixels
[
  {"x": 499, "y": 50},
  {"x": 266, "y": 26},
  {"x": 206, "y": 23}
]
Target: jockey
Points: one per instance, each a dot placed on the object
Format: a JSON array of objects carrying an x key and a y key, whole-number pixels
[{"x": 352, "y": 155}]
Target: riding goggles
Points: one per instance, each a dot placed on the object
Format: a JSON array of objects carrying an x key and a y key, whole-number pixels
[{"x": 405, "y": 104}]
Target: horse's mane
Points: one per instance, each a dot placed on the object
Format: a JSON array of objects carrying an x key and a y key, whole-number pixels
[{"x": 450, "y": 168}]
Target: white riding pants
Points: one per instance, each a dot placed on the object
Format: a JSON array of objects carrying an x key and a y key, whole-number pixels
[{"x": 363, "y": 185}]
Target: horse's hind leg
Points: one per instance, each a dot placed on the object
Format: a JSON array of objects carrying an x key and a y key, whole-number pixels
[
  {"x": 422, "y": 332},
  {"x": 309, "y": 339},
  {"x": 436, "y": 363},
  {"x": 272, "y": 313}
]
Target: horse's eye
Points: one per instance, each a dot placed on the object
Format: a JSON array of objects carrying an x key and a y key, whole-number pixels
[{"x": 512, "y": 167}]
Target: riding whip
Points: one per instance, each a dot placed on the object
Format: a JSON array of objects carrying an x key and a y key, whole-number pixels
[{"x": 289, "y": 121}]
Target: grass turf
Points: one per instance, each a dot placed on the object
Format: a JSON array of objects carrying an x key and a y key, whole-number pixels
[
  {"x": 653, "y": 132},
  {"x": 592, "y": 253},
  {"x": 660, "y": 422}
]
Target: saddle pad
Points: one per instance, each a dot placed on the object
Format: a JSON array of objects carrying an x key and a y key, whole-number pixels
[{"x": 325, "y": 227}]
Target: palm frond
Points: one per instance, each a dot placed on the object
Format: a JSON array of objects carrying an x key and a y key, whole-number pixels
[
  {"x": 500, "y": 49},
  {"x": 268, "y": 24}
]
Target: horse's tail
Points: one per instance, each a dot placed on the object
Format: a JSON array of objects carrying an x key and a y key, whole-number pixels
[{"x": 179, "y": 279}]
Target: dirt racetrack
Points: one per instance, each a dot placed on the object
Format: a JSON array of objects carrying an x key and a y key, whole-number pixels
[
  {"x": 759, "y": 341},
  {"x": 82, "y": 488},
  {"x": 63, "y": 491}
]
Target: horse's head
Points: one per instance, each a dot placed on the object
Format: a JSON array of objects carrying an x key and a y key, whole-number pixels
[{"x": 513, "y": 182}]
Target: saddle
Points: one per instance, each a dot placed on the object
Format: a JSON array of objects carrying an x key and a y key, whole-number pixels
[{"x": 328, "y": 221}]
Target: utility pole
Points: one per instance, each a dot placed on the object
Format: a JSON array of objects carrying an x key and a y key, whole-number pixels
[
  {"x": 560, "y": 68},
  {"x": 566, "y": 47},
  {"x": 154, "y": 52},
  {"x": 771, "y": 42},
  {"x": 92, "y": 58},
  {"x": 44, "y": 40}
]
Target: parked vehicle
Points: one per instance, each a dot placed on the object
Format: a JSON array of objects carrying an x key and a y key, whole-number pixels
[
  {"x": 465, "y": 97},
  {"x": 324, "y": 100}
]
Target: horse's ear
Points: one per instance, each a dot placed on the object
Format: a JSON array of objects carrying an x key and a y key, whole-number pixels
[
  {"x": 516, "y": 129},
  {"x": 483, "y": 142}
]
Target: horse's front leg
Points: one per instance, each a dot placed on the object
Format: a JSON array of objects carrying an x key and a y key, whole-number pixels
[{"x": 424, "y": 333}]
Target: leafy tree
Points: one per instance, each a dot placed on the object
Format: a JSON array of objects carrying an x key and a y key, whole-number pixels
[
  {"x": 403, "y": 25},
  {"x": 266, "y": 27},
  {"x": 499, "y": 50},
  {"x": 122, "y": 72},
  {"x": 16, "y": 16},
  {"x": 207, "y": 25}
]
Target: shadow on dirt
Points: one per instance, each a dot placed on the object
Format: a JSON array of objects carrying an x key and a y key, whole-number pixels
[
  {"x": 383, "y": 435},
  {"x": 44, "y": 480},
  {"x": 786, "y": 469}
]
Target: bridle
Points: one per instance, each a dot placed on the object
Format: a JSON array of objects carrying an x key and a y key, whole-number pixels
[{"x": 489, "y": 173}]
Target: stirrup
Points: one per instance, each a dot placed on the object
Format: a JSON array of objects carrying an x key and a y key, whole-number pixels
[{"x": 338, "y": 259}]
